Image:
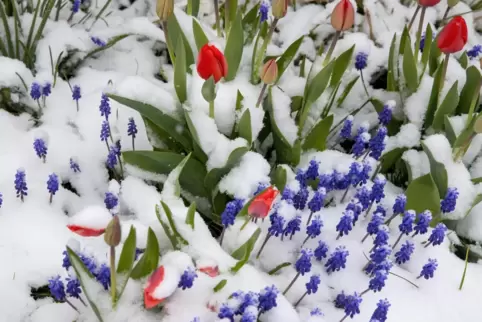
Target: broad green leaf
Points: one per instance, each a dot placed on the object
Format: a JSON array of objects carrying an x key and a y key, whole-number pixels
[
  {"x": 191, "y": 178},
  {"x": 160, "y": 139},
  {"x": 175, "y": 33},
  {"x": 167, "y": 230},
  {"x": 438, "y": 172},
  {"x": 469, "y": 91},
  {"x": 230, "y": 14},
  {"x": 447, "y": 108},
  {"x": 280, "y": 177},
  {"x": 172, "y": 223},
  {"x": 316, "y": 138},
  {"x": 158, "y": 118},
  {"x": 199, "y": 36},
  {"x": 341, "y": 64},
  {"x": 388, "y": 159},
  {"x": 377, "y": 104},
  {"x": 208, "y": 89},
  {"x": 449, "y": 130},
  {"x": 251, "y": 23},
  {"x": 433, "y": 62},
  {"x": 149, "y": 260},
  {"x": 174, "y": 175},
  {"x": 85, "y": 278},
  {"x": 346, "y": 91},
  {"x": 8, "y": 33},
  {"x": 244, "y": 127},
  {"x": 410, "y": 68},
  {"x": 426, "y": 49},
  {"x": 126, "y": 261},
  {"x": 215, "y": 175},
  {"x": 197, "y": 150},
  {"x": 391, "y": 83},
  {"x": 180, "y": 73},
  {"x": 422, "y": 194},
  {"x": 296, "y": 103},
  {"x": 220, "y": 285},
  {"x": 433, "y": 101},
  {"x": 234, "y": 47},
  {"x": 464, "y": 60},
  {"x": 404, "y": 39},
  {"x": 285, "y": 59},
  {"x": 244, "y": 252},
  {"x": 191, "y": 212},
  {"x": 193, "y": 7}
]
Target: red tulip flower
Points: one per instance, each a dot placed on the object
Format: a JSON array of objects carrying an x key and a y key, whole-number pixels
[
  {"x": 90, "y": 222},
  {"x": 453, "y": 37},
  {"x": 260, "y": 206},
  {"x": 210, "y": 270},
  {"x": 343, "y": 16},
  {"x": 211, "y": 62},
  {"x": 85, "y": 231},
  {"x": 159, "y": 287},
  {"x": 428, "y": 3}
]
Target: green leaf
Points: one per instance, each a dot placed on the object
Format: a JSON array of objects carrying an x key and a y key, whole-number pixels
[
  {"x": 85, "y": 277},
  {"x": 149, "y": 260},
  {"x": 280, "y": 177},
  {"x": 475, "y": 202},
  {"x": 296, "y": 103},
  {"x": 404, "y": 39},
  {"x": 215, "y": 175},
  {"x": 426, "y": 48},
  {"x": 208, "y": 90},
  {"x": 239, "y": 100},
  {"x": 234, "y": 47},
  {"x": 464, "y": 60},
  {"x": 422, "y": 194},
  {"x": 112, "y": 41},
  {"x": 220, "y": 285},
  {"x": 476, "y": 180},
  {"x": 278, "y": 268},
  {"x": 314, "y": 90},
  {"x": 180, "y": 72},
  {"x": 447, "y": 108},
  {"x": 388, "y": 159},
  {"x": 341, "y": 64},
  {"x": 469, "y": 91},
  {"x": 126, "y": 261},
  {"x": 316, "y": 138},
  {"x": 391, "y": 82},
  {"x": 244, "y": 252},
  {"x": 346, "y": 91},
  {"x": 251, "y": 23},
  {"x": 175, "y": 33},
  {"x": 285, "y": 59},
  {"x": 435, "y": 53},
  {"x": 438, "y": 172},
  {"x": 327, "y": 108},
  {"x": 191, "y": 178},
  {"x": 244, "y": 127},
  {"x": 172, "y": 223},
  {"x": 161, "y": 139},
  {"x": 410, "y": 68},
  {"x": 158, "y": 118},
  {"x": 449, "y": 130},
  {"x": 170, "y": 235},
  {"x": 199, "y": 36},
  {"x": 198, "y": 152},
  {"x": 191, "y": 212},
  {"x": 174, "y": 175},
  {"x": 193, "y": 7},
  {"x": 433, "y": 101},
  {"x": 230, "y": 14}
]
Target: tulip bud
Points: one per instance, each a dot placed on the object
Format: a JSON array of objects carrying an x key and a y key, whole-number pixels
[
  {"x": 279, "y": 8},
  {"x": 452, "y": 3},
  {"x": 478, "y": 125},
  {"x": 164, "y": 9},
  {"x": 211, "y": 62},
  {"x": 112, "y": 234},
  {"x": 343, "y": 16},
  {"x": 453, "y": 37},
  {"x": 269, "y": 72},
  {"x": 428, "y": 3}
]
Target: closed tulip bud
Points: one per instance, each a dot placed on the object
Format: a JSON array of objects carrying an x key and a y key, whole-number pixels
[
  {"x": 269, "y": 72},
  {"x": 112, "y": 234},
  {"x": 279, "y": 8},
  {"x": 453, "y": 37},
  {"x": 211, "y": 62},
  {"x": 343, "y": 16},
  {"x": 478, "y": 125},
  {"x": 164, "y": 9},
  {"x": 452, "y": 3},
  {"x": 428, "y": 3}
]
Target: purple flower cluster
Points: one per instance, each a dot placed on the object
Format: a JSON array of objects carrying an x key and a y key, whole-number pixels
[{"x": 249, "y": 304}]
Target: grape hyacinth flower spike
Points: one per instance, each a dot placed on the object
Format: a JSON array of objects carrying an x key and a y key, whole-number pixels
[
  {"x": 311, "y": 287},
  {"x": 373, "y": 225},
  {"x": 99, "y": 42},
  {"x": 361, "y": 140},
  {"x": 337, "y": 260},
  {"x": 132, "y": 130},
  {"x": 345, "y": 132},
  {"x": 437, "y": 236},
  {"x": 104, "y": 106},
  {"x": 448, "y": 204},
  {"x": 52, "y": 185},
  {"x": 267, "y": 298},
  {"x": 76, "y": 93},
  {"x": 360, "y": 64},
  {"x": 36, "y": 94},
  {"x": 74, "y": 165},
  {"x": 424, "y": 219},
  {"x": 292, "y": 227},
  {"x": 228, "y": 216},
  {"x": 377, "y": 143},
  {"x": 21, "y": 184},
  {"x": 345, "y": 225},
  {"x": 405, "y": 252},
  {"x": 380, "y": 313},
  {"x": 57, "y": 290},
  {"x": 1, "y": 200},
  {"x": 474, "y": 52},
  {"x": 46, "y": 91},
  {"x": 385, "y": 115},
  {"x": 398, "y": 208},
  {"x": 111, "y": 202},
  {"x": 302, "y": 266},
  {"x": 263, "y": 11},
  {"x": 406, "y": 227},
  {"x": 428, "y": 269},
  {"x": 352, "y": 306},
  {"x": 316, "y": 203},
  {"x": 187, "y": 278},
  {"x": 313, "y": 230},
  {"x": 40, "y": 147}
]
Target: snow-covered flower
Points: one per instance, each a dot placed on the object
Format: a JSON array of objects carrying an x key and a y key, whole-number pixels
[
  {"x": 352, "y": 304},
  {"x": 21, "y": 184},
  {"x": 437, "y": 235},
  {"x": 403, "y": 255},
  {"x": 363, "y": 195},
  {"x": 267, "y": 298},
  {"x": 377, "y": 143},
  {"x": 382, "y": 236},
  {"x": 361, "y": 60},
  {"x": 261, "y": 204},
  {"x": 229, "y": 214},
  {"x": 260, "y": 188},
  {"x": 277, "y": 224},
  {"x": 312, "y": 171},
  {"x": 74, "y": 165},
  {"x": 187, "y": 278},
  {"x": 318, "y": 200},
  {"x": 35, "y": 91},
  {"x": 301, "y": 177},
  {"x": 385, "y": 116},
  {"x": 161, "y": 284},
  {"x": 337, "y": 260},
  {"x": 356, "y": 208},
  {"x": 380, "y": 313},
  {"x": 111, "y": 160},
  {"x": 313, "y": 230},
  {"x": 345, "y": 132},
  {"x": 132, "y": 128},
  {"x": 287, "y": 194},
  {"x": 73, "y": 287},
  {"x": 226, "y": 312},
  {"x": 374, "y": 224},
  {"x": 381, "y": 253},
  {"x": 321, "y": 251},
  {"x": 449, "y": 202},
  {"x": 429, "y": 269},
  {"x": 40, "y": 147},
  {"x": 361, "y": 140},
  {"x": 57, "y": 288},
  {"x": 300, "y": 198},
  {"x": 103, "y": 276},
  {"x": 377, "y": 193},
  {"x": 377, "y": 282},
  {"x": 90, "y": 222},
  {"x": 340, "y": 300}
]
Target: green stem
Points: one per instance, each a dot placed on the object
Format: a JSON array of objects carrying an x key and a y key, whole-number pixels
[
  {"x": 168, "y": 43},
  {"x": 363, "y": 82},
  {"x": 216, "y": 14},
  {"x": 445, "y": 15},
  {"x": 113, "y": 276},
  {"x": 211, "y": 109},
  {"x": 133, "y": 144},
  {"x": 57, "y": 13},
  {"x": 261, "y": 94},
  {"x": 332, "y": 47},
  {"x": 413, "y": 18},
  {"x": 262, "y": 51},
  {"x": 444, "y": 71},
  {"x": 465, "y": 268},
  {"x": 309, "y": 218},
  {"x": 419, "y": 34},
  {"x": 291, "y": 284},
  {"x": 264, "y": 244}
]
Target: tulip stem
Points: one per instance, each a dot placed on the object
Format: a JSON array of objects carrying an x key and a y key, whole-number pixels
[
  {"x": 216, "y": 14},
  {"x": 262, "y": 51},
  {"x": 226, "y": 16},
  {"x": 445, "y": 15},
  {"x": 415, "y": 14},
  {"x": 419, "y": 34},
  {"x": 112, "y": 276},
  {"x": 444, "y": 71},
  {"x": 332, "y": 47},
  {"x": 170, "y": 50},
  {"x": 262, "y": 246},
  {"x": 211, "y": 109},
  {"x": 261, "y": 94}
]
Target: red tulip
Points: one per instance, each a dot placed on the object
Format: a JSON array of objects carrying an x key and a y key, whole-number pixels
[
  {"x": 85, "y": 231},
  {"x": 210, "y": 270},
  {"x": 453, "y": 37},
  {"x": 155, "y": 280},
  {"x": 90, "y": 222},
  {"x": 260, "y": 206},
  {"x": 428, "y": 3},
  {"x": 211, "y": 62},
  {"x": 343, "y": 16}
]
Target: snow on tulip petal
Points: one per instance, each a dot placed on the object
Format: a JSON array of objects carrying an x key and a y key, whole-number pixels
[
  {"x": 260, "y": 206},
  {"x": 91, "y": 221},
  {"x": 211, "y": 62},
  {"x": 453, "y": 37},
  {"x": 162, "y": 284}
]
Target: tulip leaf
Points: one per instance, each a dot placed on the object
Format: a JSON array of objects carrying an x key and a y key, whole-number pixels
[
  {"x": 426, "y": 187},
  {"x": 346, "y": 91},
  {"x": 193, "y": 7},
  {"x": 175, "y": 33},
  {"x": 296, "y": 103},
  {"x": 447, "y": 108},
  {"x": 214, "y": 176},
  {"x": 438, "y": 172},
  {"x": 198, "y": 152},
  {"x": 208, "y": 89},
  {"x": 433, "y": 101},
  {"x": 391, "y": 82},
  {"x": 191, "y": 178},
  {"x": 191, "y": 212},
  {"x": 149, "y": 260},
  {"x": 244, "y": 252},
  {"x": 85, "y": 278},
  {"x": 403, "y": 40},
  {"x": 220, "y": 285},
  {"x": 126, "y": 262},
  {"x": 279, "y": 267},
  {"x": 163, "y": 121},
  {"x": 316, "y": 138},
  {"x": 230, "y": 14},
  {"x": 251, "y": 23},
  {"x": 173, "y": 177},
  {"x": 433, "y": 61},
  {"x": 244, "y": 127},
  {"x": 464, "y": 60},
  {"x": 427, "y": 46},
  {"x": 467, "y": 133},
  {"x": 390, "y": 158},
  {"x": 239, "y": 100},
  {"x": 470, "y": 91},
  {"x": 341, "y": 64},
  {"x": 200, "y": 37},
  {"x": 331, "y": 100},
  {"x": 180, "y": 72},
  {"x": 172, "y": 223},
  {"x": 234, "y": 47},
  {"x": 255, "y": 65},
  {"x": 160, "y": 139},
  {"x": 285, "y": 59},
  {"x": 167, "y": 230},
  {"x": 410, "y": 68},
  {"x": 280, "y": 177},
  {"x": 449, "y": 130},
  {"x": 475, "y": 202}
]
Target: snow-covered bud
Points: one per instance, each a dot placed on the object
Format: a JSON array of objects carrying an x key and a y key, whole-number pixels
[
  {"x": 343, "y": 16},
  {"x": 164, "y": 9},
  {"x": 112, "y": 234},
  {"x": 269, "y": 72}
]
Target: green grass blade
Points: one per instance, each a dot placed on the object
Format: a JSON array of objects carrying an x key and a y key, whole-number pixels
[
  {"x": 3, "y": 16},
  {"x": 30, "y": 33},
  {"x": 104, "y": 8}
]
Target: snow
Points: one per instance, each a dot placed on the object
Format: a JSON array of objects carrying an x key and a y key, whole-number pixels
[
  {"x": 94, "y": 217},
  {"x": 169, "y": 284}
]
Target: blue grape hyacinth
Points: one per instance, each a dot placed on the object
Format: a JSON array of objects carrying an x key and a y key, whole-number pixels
[
  {"x": 40, "y": 147},
  {"x": 277, "y": 224},
  {"x": 450, "y": 201},
  {"x": 57, "y": 288},
  {"x": 337, "y": 260},
  {"x": 437, "y": 236},
  {"x": 381, "y": 312},
  {"x": 361, "y": 59},
  {"x": 292, "y": 227},
  {"x": 405, "y": 252},
  {"x": 76, "y": 6},
  {"x": 52, "y": 185},
  {"x": 21, "y": 184},
  {"x": 74, "y": 165},
  {"x": 377, "y": 143},
  {"x": 73, "y": 287},
  {"x": 35, "y": 91},
  {"x": 474, "y": 52},
  {"x": 352, "y": 305},
  {"x": 321, "y": 251},
  {"x": 228, "y": 216},
  {"x": 345, "y": 132},
  {"x": 385, "y": 115},
  {"x": 99, "y": 42},
  {"x": 428, "y": 269},
  {"x": 187, "y": 278},
  {"x": 263, "y": 11},
  {"x": 345, "y": 225},
  {"x": 111, "y": 201},
  {"x": 424, "y": 219},
  {"x": 104, "y": 106},
  {"x": 267, "y": 298},
  {"x": 303, "y": 264}
]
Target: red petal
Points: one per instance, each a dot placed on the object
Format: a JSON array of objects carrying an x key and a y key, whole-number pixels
[
  {"x": 428, "y": 3},
  {"x": 211, "y": 62},
  {"x": 210, "y": 271},
  {"x": 149, "y": 301},
  {"x": 343, "y": 15},
  {"x": 85, "y": 231},
  {"x": 453, "y": 37},
  {"x": 154, "y": 281},
  {"x": 262, "y": 203}
]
